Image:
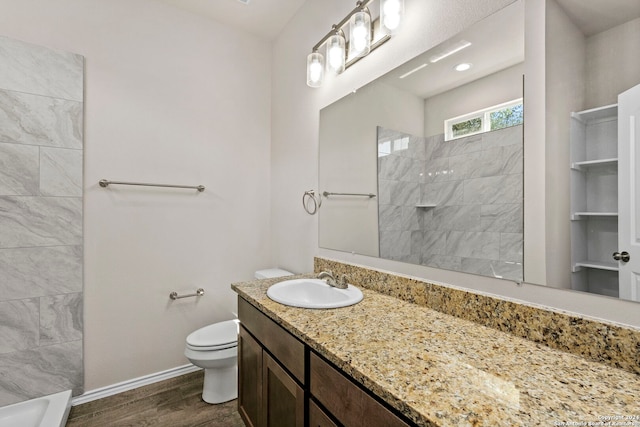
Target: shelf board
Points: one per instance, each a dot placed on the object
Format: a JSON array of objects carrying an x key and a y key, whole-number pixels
[
  {"x": 599, "y": 113},
  {"x": 599, "y": 265},
  {"x": 593, "y": 163},
  {"x": 578, "y": 215},
  {"x": 426, "y": 205}
]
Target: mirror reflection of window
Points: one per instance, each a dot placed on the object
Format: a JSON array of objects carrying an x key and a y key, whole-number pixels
[{"x": 488, "y": 119}]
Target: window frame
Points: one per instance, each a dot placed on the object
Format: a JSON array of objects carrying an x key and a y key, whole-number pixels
[{"x": 485, "y": 118}]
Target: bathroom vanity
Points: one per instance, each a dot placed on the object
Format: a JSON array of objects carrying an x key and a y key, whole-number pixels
[
  {"x": 280, "y": 376},
  {"x": 389, "y": 362}
]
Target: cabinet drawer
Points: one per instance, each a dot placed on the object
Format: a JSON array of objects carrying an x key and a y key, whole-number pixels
[
  {"x": 284, "y": 346},
  {"x": 347, "y": 402}
]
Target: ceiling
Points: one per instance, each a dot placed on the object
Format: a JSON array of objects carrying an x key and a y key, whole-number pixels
[
  {"x": 493, "y": 50},
  {"x": 264, "y": 18},
  {"x": 495, "y": 43},
  {"x": 595, "y": 16}
]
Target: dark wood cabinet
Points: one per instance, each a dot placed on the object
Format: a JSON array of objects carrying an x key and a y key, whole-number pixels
[
  {"x": 270, "y": 372},
  {"x": 249, "y": 378},
  {"x": 285, "y": 348},
  {"x": 282, "y": 397},
  {"x": 317, "y": 417},
  {"x": 282, "y": 383},
  {"x": 346, "y": 401}
]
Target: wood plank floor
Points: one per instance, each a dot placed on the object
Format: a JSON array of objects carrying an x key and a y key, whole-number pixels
[{"x": 175, "y": 402}]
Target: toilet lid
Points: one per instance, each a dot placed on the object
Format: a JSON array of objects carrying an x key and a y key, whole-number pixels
[{"x": 223, "y": 334}]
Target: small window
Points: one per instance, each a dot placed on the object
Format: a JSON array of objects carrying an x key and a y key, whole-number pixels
[{"x": 492, "y": 118}]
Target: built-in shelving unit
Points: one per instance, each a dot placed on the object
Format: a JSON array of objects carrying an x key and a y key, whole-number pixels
[{"x": 594, "y": 198}]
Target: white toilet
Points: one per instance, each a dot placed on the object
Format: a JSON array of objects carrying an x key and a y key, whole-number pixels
[{"x": 215, "y": 349}]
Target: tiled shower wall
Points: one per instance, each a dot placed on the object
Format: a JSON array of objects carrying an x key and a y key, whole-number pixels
[
  {"x": 41, "y": 151},
  {"x": 456, "y": 205}
]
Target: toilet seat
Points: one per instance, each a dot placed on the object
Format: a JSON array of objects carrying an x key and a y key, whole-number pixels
[{"x": 218, "y": 336}]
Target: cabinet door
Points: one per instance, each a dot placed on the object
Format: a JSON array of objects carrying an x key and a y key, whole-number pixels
[
  {"x": 282, "y": 397},
  {"x": 249, "y": 378}
]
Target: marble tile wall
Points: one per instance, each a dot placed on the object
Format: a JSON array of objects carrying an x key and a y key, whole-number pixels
[
  {"x": 41, "y": 156},
  {"x": 455, "y": 204}
]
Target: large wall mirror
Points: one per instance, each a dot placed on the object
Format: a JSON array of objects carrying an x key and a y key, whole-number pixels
[{"x": 425, "y": 164}]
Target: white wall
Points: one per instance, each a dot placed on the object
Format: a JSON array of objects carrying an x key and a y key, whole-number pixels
[
  {"x": 613, "y": 65},
  {"x": 501, "y": 86},
  {"x": 565, "y": 92},
  {"x": 294, "y": 150},
  {"x": 171, "y": 98}
]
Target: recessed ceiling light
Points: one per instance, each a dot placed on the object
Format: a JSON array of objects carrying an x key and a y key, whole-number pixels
[
  {"x": 463, "y": 67},
  {"x": 244, "y": 1},
  {"x": 418, "y": 68}
]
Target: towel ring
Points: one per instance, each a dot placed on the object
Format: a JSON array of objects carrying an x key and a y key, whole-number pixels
[{"x": 307, "y": 197}]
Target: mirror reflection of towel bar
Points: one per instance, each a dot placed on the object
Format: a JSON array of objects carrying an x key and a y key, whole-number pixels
[{"x": 369, "y": 195}]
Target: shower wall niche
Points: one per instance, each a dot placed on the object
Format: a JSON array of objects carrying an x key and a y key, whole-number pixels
[{"x": 41, "y": 283}]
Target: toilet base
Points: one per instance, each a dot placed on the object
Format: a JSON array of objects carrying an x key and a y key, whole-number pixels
[{"x": 220, "y": 384}]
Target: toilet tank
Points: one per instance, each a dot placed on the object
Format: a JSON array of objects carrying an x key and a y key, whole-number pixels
[{"x": 270, "y": 273}]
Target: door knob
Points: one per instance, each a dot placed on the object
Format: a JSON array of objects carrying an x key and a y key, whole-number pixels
[{"x": 622, "y": 256}]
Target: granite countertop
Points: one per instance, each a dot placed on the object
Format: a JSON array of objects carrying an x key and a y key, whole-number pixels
[{"x": 442, "y": 370}]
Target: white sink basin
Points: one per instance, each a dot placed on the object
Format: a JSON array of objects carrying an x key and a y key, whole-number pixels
[{"x": 313, "y": 293}]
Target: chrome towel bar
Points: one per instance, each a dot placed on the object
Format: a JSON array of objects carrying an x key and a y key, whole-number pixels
[
  {"x": 369, "y": 195},
  {"x": 199, "y": 293},
  {"x": 105, "y": 183}
]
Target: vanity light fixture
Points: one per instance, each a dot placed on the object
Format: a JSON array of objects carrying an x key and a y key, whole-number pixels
[
  {"x": 391, "y": 12},
  {"x": 336, "y": 57},
  {"x": 339, "y": 52},
  {"x": 315, "y": 69},
  {"x": 360, "y": 33}
]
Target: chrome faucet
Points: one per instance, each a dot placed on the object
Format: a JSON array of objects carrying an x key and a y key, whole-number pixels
[{"x": 340, "y": 283}]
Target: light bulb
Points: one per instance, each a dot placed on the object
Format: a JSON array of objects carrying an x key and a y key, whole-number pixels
[
  {"x": 360, "y": 34},
  {"x": 315, "y": 69},
  {"x": 391, "y": 7},
  {"x": 359, "y": 37},
  {"x": 391, "y": 12},
  {"x": 336, "y": 53}
]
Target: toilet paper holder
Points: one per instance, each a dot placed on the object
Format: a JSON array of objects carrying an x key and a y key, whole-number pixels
[{"x": 199, "y": 293}]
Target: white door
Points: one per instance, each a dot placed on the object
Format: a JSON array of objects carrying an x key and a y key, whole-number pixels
[{"x": 629, "y": 196}]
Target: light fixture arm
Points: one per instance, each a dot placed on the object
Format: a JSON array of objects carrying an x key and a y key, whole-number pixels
[{"x": 360, "y": 5}]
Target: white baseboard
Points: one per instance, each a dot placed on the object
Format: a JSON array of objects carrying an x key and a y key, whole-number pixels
[{"x": 114, "y": 389}]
